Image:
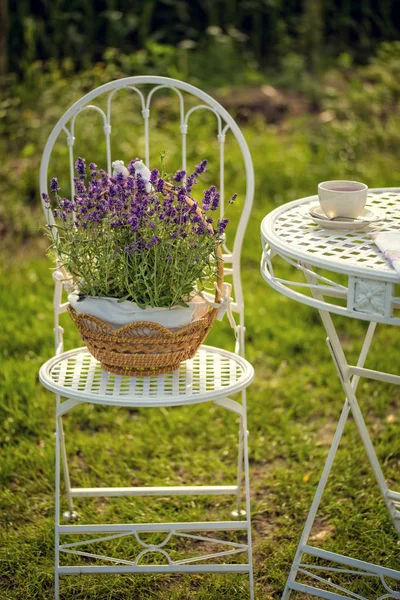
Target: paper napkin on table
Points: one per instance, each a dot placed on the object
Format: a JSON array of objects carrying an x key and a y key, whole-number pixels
[{"x": 388, "y": 243}]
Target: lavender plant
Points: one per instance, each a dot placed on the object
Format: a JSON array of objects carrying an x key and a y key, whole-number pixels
[{"x": 117, "y": 240}]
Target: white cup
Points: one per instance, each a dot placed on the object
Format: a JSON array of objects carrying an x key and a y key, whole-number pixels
[{"x": 342, "y": 198}]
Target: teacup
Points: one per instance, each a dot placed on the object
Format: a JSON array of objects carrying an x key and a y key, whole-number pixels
[{"x": 342, "y": 198}]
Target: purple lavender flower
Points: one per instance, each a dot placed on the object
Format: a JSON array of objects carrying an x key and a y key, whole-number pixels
[
  {"x": 113, "y": 190},
  {"x": 79, "y": 186},
  {"x": 181, "y": 195},
  {"x": 232, "y": 200},
  {"x": 80, "y": 166},
  {"x": 140, "y": 184},
  {"x": 215, "y": 201},
  {"x": 170, "y": 212},
  {"x": 46, "y": 198},
  {"x": 54, "y": 185},
  {"x": 207, "y": 196},
  {"x": 67, "y": 205},
  {"x": 200, "y": 168},
  {"x": 190, "y": 182},
  {"x": 136, "y": 247},
  {"x": 201, "y": 229},
  {"x": 160, "y": 185},
  {"x": 130, "y": 184},
  {"x": 222, "y": 225},
  {"x": 154, "y": 175},
  {"x": 133, "y": 221},
  {"x": 179, "y": 175}
]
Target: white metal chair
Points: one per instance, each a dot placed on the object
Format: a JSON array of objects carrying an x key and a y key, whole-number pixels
[{"x": 212, "y": 375}]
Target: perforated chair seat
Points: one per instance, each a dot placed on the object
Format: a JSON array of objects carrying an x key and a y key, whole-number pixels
[{"x": 212, "y": 373}]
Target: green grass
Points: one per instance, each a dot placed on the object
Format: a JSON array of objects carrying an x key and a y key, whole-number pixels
[{"x": 293, "y": 404}]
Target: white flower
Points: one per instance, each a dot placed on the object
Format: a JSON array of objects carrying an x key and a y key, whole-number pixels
[
  {"x": 141, "y": 168},
  {"x": 119, "y": 167}
]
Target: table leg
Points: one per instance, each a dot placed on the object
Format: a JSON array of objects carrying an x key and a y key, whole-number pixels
[{"x": 357, "y": 567}]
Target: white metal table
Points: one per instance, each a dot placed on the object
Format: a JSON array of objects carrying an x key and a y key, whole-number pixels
[{"x": 327, "y": 258}]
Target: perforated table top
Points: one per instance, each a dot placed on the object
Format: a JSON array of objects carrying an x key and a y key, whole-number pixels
[
  {"x": 212, "y": 373},
  {"x": 290, "y": 231}
]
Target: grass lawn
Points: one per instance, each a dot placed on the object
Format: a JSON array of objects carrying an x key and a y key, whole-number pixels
[{"x": 293, "y": 406}]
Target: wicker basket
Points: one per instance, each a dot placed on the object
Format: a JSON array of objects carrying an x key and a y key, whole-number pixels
[{"x": 145, "y": 348}]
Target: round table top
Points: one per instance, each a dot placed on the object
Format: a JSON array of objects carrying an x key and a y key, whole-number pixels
[{"x": 290, "y": 232}]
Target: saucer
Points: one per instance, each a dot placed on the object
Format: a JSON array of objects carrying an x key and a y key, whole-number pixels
[{"x": 367, "y": 216}]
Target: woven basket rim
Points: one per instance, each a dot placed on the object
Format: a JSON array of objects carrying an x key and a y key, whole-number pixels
[{"x": 118, "y": 333}]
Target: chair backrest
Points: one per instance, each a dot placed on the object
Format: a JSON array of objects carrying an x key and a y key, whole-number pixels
[{"x": 145, "y": 87}]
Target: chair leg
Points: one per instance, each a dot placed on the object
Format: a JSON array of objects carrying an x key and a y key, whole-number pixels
[
  {"x": 239, "y": 512},
  {"x": 194, "y": 529},
  {"x": 56, "y": 585},
  {"x": 247, "y": 491},
  {"x": 70, "y": 514},
  {"x": 243, "y": 467},
  {"x": 57, "y": 512}
]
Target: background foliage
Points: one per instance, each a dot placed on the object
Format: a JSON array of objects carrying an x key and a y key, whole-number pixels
[{"x": 267, "y": 29}]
